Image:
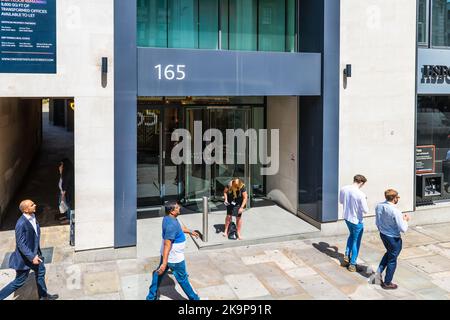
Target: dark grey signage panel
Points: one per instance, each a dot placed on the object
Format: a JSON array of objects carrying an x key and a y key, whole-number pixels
[
  {"x": 433, "y": 72},
  {"x": 28, "y": 36},
  {"x": 425, "y": 156},
  {"x": 179, "y": 72}
]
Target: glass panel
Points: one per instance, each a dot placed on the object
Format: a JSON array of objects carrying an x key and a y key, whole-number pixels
[
  {"x": 441, "y": 27},
  {"x": 152, "y": 23},
  {"x": 224, "y": 26},
  {"x": 197, "y": 176},
  {"x": 433, "y": 128},
  {"x": 257, "y": 180},
  {"x": 243, "y": 25},
  {"x": 223, "y": 119},
  {"x": 290, "y": 25},
  {"x": 209, "y": 24},
  {"x": 171, "y": 170},
  {"x": 422, "y": 22},
  {"x": 148, "y": 143},
  {"x": 272, "y": 25},
  {"x": 183, "y": 24}
]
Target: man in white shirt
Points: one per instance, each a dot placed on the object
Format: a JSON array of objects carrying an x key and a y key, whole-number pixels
[
  {"x": 390, "y": 222},
  {"x": 354, "y": 202}
]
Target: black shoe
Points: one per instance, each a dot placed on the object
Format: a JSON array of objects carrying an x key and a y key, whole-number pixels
[{"x": 50, "y": 297}]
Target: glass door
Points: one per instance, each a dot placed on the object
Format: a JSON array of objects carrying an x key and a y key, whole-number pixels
[
  {"x": 149, "y": 138},
  {"x": 224, "y": 119},
  {"x": 158, "y": 176},
  {"x": 209, "y": 180}
]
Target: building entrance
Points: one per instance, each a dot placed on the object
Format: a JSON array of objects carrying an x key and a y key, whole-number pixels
[{"x": 160, "y": 180}]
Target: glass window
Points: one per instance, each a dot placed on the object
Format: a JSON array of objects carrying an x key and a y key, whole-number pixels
[
  {"x": 272, "y": 25},
  {"x": 423, "y": 22},
  {"x": 208, "y": 24},
  {"x": 440, "y": 23},
  {"x": 242, "y": 19},
  {"x": 433, "y": 129},
  {"x": 152, "y": 23},
  {"x": 252, "y": 25},
  {"x": 183, "y": 24}
]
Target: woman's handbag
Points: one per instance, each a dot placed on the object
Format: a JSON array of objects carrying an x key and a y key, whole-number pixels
[{"x": 63, "y": 207}]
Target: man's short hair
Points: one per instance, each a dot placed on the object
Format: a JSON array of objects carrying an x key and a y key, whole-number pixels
[
  {"x": 169, "y": 206},
  {"x": 390, "y": 194},
  {"x": 359, "y": 178}
]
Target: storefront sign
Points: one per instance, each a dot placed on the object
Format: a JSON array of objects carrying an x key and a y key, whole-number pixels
[
  {"x": 28, "y": 36},
  {"x": 425, "y": 159},
  {"x": 430, "y": 71}
]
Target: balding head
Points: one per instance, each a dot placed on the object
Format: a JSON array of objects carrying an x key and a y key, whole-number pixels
[{"x": 27, "y": 206}]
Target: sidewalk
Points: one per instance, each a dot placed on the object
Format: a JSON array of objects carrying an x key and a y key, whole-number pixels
[{"x": 300, "y": 269}]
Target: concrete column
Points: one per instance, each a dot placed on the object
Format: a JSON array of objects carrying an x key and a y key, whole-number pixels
[{"x": 282, "y": 114}]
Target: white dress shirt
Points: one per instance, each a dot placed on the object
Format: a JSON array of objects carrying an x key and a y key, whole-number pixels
[
  {"x": 354, "y": 202},
  {"x": 32, "y": 220}
]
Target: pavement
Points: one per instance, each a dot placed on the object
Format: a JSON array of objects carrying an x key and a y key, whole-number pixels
[{"x": 307, "y": 269}]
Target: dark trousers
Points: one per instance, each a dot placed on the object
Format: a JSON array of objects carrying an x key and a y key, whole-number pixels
[
  {"x": 389, "y": 261},
  {"x": 21, "y": 278}
]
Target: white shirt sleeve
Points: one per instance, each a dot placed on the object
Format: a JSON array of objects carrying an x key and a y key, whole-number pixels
[
  {"x": 341, "y": 197},
  {"x": 402, "y": 224},
  {"x": 364, "y": 206}
]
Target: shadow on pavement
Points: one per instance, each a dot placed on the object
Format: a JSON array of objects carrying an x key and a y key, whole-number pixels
[{"x": 333, "y": 252}]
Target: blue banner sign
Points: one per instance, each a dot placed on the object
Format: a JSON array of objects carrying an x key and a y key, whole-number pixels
[{"x": 28, "y": 36}]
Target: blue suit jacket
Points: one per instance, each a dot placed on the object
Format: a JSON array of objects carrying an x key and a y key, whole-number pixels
[{"x": 27, "y": 245}]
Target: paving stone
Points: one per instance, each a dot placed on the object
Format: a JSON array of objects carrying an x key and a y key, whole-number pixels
[
  {"x": 227, "y": 263},
  {"x": 222, "y": 292},
  {"x": 303, "y": 296},
  {"x": 365, "y": 292},
  {"x": 276, "y": 281},
  {"x": 443, "y": 283},
  {"x": 101, "y": 283},
  {"x": 415, "y": 252},
  {"x": 99, "y": 297},
  {"x": 320, "y": 289},
  {"x": 135, "y": 287},
  {"x": 413, "y": 239},
  {"x": 280, "y": 259},
  {"x": 432, "y": 294},
  {"x": 299, "y": 273},
  {"x": 250, "y": 260},
  {"x": 311, "y": 256},
  {"x": 410, "y": 279},
  {"x": 246, "y": 286},
  {"x": 339, "y": 277},
  {"x": 436, "y": 231},
  {"x": 63, "y": 256},
  {"x": 431, "y": 264}
]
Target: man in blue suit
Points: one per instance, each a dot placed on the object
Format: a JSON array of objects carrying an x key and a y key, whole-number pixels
[{"x": 28, "y": 255}]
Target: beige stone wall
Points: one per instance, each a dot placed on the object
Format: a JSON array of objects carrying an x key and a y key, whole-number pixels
[
  {"x": 377, "y": 104},
  {"x": 85, "y": 34},
  {"x": 282, "y": 114},
  {"x": 20, "y": 138}
]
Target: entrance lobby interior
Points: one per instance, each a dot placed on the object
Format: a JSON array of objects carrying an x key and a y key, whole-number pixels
[{"x": 160, "y": 179}]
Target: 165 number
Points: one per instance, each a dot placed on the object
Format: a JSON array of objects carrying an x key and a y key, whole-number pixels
[{"x": 171, "y": 72}]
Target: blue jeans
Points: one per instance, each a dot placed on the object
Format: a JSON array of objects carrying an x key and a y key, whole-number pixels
[
  {"x": 21, "y": 278},
  {"x": 389, "y": 261},
  {"x": 179, "y": 271},
  {"x": 354, "y": 241}
]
